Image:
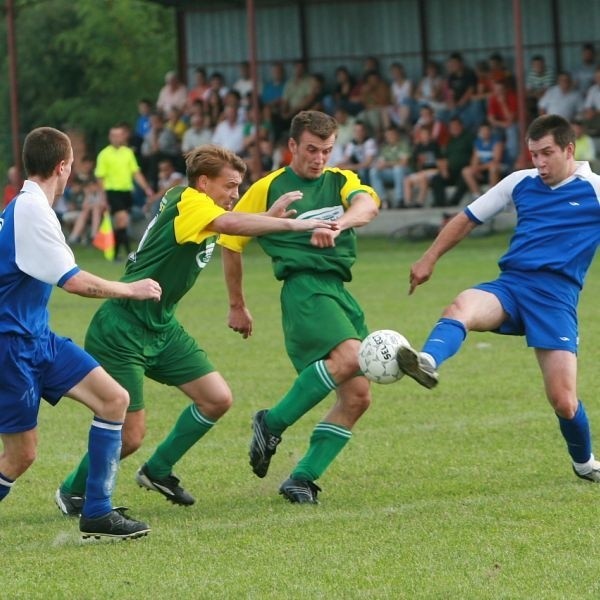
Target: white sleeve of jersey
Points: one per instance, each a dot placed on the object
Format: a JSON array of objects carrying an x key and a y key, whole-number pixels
[
  {"x": 41, "y": 250},
  {"x": 498, "y": 197}
]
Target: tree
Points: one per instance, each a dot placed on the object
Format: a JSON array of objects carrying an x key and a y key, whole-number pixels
[{"x": 84, "y": 64}]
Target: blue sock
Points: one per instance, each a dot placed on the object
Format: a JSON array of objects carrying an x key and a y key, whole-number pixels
[
  {"x": 104, "y": 449},
  {"x": 576, "y": 432},
  {"x": 5, "y": 485},
  {"x": 445, "y": 340}
]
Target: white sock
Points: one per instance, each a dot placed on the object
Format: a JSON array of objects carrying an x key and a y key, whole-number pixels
[
  {"x": 586, "y": 467},
  {"x": 428, "y": 358}
]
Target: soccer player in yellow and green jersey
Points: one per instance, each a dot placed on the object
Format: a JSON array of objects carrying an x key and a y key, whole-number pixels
[
  {"x": 147, "y": 340},
  {"x": 323, "y": 324}
]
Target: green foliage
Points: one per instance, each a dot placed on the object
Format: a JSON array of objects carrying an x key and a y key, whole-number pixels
[
  {"x": 460, "y": 492},
  {"x": 85, "y": 64}
]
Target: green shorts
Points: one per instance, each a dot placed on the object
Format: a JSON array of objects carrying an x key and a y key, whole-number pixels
[
  {"x": 129, "y": 351},
  {"x": 318, "y": 314}
]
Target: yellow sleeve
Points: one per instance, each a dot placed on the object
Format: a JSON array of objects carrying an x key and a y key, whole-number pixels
[
  {"x": 253, "y": 201},
  {"x": 353, "y": 186},
  {"x": 196, "y": 211}
]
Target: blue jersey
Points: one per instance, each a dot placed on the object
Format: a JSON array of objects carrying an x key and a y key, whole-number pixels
[
  {"x": 558, "y": 228},
  {"x": 33, "y": 257}
]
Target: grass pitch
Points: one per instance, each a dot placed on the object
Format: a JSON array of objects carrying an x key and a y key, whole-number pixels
[{"x": 460, "y": 492}]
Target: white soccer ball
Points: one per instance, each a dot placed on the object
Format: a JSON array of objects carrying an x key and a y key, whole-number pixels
[{"x": 377, "y": 356}]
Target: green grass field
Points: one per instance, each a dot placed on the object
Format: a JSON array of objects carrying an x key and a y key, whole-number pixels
[{"x": 458, "y": 493}]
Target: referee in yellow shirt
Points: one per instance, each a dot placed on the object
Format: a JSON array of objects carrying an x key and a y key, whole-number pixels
[{"x": 116, "y": 171}]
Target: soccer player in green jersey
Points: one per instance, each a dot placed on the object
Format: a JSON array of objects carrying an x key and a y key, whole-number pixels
[
  {"x": 322, "y": 323},
  {"x": 145, "y": 339}
]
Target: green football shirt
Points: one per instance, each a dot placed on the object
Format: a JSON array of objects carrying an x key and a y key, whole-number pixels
[
  {"x": 175, "y": 247},
  {"x": 324, "y": 198}
]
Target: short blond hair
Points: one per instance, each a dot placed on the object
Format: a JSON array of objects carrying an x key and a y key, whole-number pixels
[{"x": 209, "y": 160}]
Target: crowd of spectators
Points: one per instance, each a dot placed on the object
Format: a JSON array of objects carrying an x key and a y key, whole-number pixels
[{"x": 435, "y": 139}]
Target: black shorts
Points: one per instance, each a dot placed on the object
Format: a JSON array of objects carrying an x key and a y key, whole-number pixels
[{"x": 118, "y": 201}]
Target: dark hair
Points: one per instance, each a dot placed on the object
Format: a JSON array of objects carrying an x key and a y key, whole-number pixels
[
  {"x": 43, "y": 149},
  {"x": 313, "y": 121},
  {"x": 556, "y": 126}
]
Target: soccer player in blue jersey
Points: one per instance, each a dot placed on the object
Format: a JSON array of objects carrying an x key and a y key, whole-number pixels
[
  {"x": 36, "y": 362},
  {"x": 541, "y": 276}
]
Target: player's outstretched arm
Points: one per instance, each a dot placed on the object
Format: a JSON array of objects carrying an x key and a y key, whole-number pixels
[
  {"x": 455, "y": 230},
  {"x": 250, "y": 224},
  {"x": 239, "y": 319},
  {"x": 89, "y": 285}
]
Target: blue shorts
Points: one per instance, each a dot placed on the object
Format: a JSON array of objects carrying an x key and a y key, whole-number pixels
[
  {"x": 541, "y": 306},
  {"x": 37, "y": 368}
]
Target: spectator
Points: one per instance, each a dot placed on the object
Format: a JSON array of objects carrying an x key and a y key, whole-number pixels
[
  {"x": 272, "y": 96},
  {"x": 431, "y": 90},
  {"x": 584, "y": 144},
  {"x": 487, "y": 161},
  {"x": 298, "y": 92},
  {"x": 142, "y": 125},
  {"x": 176, "y": 123},
  {"x": 216, "y": 83},
  {"x": 502, "y": 109},
  {"x": 360, "y": 152},
  {"x": 214, "y": 108},
  {"x": 424, "y": 163},
  {"x": 455, "y": 156},
  {"x": 461, "y": 83},
  {"x": 12, "y": 187},
  {"x": 376, "y": 97},
  {"x": 272, "y": 91},
  {"x": 591, "y": 106},
  {"x": 345, "y": 93},
  {"x": 197, "y": 134},
  {"x": 92, "y": 206},
  {"x": 428, "y": 118},
  {"x": 583, "y": 74},
  {"x": 173, "y": 93},
  {"x": 168, "y": 177},
  {"x": 561, "y": 99},
  {"x": 402, "y": 111},
  {"x": 265, "y": 127},
  {"x": 198, "y": 92},
  {"x": 391, "y": 165},
  {"x": 243, "y": 85},
  {"x": 539, "y": 78},
  {"x": 498, "y": 69},
  {"x": 229, "y": 133},
  {"x": 160, "y": 142},
  {"x": 344, "y": 136},
  {"x": 483, "y": 89}
]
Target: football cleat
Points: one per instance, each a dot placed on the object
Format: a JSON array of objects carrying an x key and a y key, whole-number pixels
[
  {"x": 593, "y": 475},
  {"x": 415, "y": 365},
  {"x": 167, "y": 486},
  {"x": 262, "y": 446},
  {"x": 300, "y": 491},
  {"x": 69, "y": 505},
  {"x": 115, "y": 524}
]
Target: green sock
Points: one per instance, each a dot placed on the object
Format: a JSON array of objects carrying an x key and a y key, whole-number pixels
[
  {"x": 326, "y": 442},
  {"x": 75, "y": 481},
  {"x": 310, "y": 387},
  {"x": 190, "y": 427}
]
